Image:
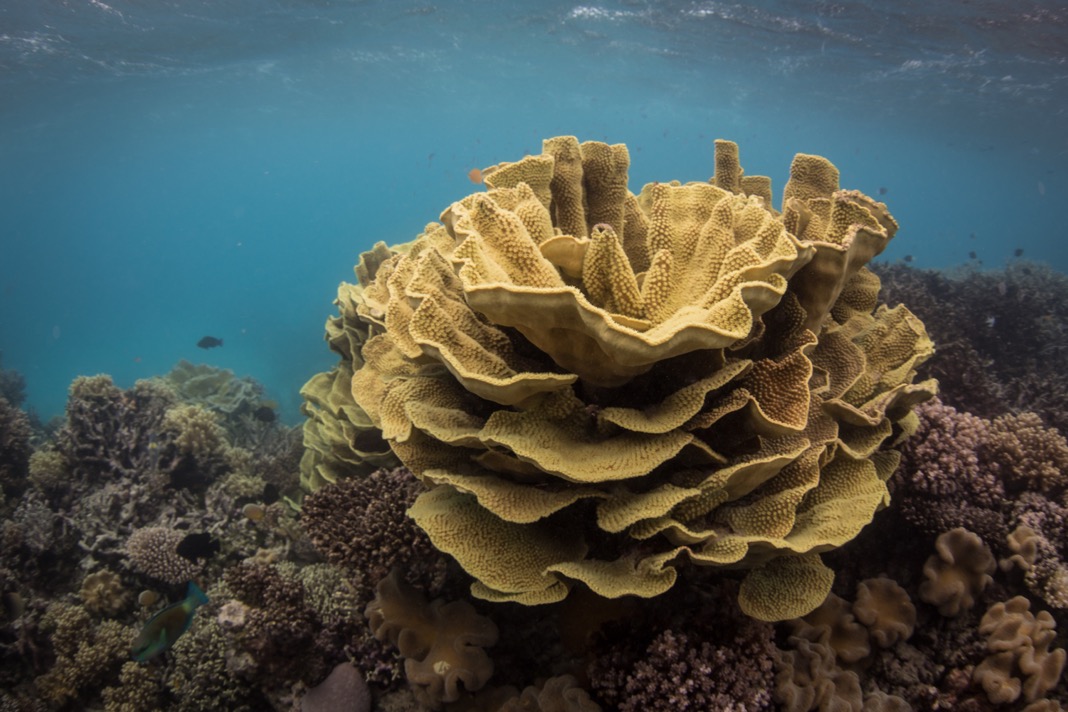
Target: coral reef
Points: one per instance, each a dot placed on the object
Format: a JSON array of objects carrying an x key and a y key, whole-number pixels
[
  {"x": 102, "y": 592},
  {"x": 361, "y": 526},
  {"x": 442, "y": 643},
  {"x": 958, "y": 573},
  {"x": 1020, "y": 659},
  {"x": 153, "y": 551},
  {"x": 991, "y": 477},
  {"x": 12, "y": 385},
  {"x": 600, "y": 386},
  {"x": 87, "y": 655},
  {"x": 15, "y": 450},
  {"x": 1002, "y": 335}
]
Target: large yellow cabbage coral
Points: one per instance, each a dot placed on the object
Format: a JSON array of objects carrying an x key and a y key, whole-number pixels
[{"x": 598, "y": 386}]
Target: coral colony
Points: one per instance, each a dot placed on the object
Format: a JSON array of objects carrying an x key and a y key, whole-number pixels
[{"x": 583, "y": 449}]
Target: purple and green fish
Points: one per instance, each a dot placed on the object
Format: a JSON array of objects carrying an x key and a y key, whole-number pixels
[{"x": 165, "y": 627}]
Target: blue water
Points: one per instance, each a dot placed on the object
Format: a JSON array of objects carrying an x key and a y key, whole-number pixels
[{"x": 177, "y": 169}]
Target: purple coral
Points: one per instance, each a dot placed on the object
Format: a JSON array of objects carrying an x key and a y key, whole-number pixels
[
  {"x": 723, "y": 661},
  {"x": 361, "y": 525},
  {"x": 943, "y": 483}
]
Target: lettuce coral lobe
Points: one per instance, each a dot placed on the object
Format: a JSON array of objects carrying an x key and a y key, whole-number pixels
[{"x": 597, "y": 386}]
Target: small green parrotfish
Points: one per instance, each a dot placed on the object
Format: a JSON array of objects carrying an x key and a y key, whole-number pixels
[{"x": 163, "y": 629}]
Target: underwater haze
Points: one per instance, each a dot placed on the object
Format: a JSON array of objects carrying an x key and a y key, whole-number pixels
[{"x": 192, "y": 168}]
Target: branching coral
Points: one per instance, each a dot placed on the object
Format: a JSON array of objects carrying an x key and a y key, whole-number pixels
[
  {"x": 695, "y": 374},
  {"x": 287, "y": 625},
  {"x": 153, "y": 551},
  {"x": 87, "y": 656},
  {"x": 687, "y": 654},
  {"x": 361, "y": 526}
]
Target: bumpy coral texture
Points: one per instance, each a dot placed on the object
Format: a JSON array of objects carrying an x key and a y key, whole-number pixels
[
  {"x": 600, "y": 385},
  {"x": 360, "y": 525},
  {"x": 153, "y": 551},
  {"x": 992, "y": 478},
  {"x": 685, "y": 655},
  {"x": 286, "y": 624}
]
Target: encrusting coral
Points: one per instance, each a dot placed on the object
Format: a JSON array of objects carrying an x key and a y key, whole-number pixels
[{"x": 598, "y": 385}]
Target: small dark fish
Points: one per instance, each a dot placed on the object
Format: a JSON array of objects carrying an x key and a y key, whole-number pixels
[
  {"x": 165, "y": 627},
  {"x": 971, "y": 235},
  {"x": 908, "y": 258},
  {"x": 209, "y": 342},
  {"x": 1018, "y": 252},
  {"x": 198, "y": 546},
  {"x": 972, "y": 255},
  {"x": 271, "y": 493},
  {"x": 882, "y": 190},
  {"x": 265, "y": 414}
]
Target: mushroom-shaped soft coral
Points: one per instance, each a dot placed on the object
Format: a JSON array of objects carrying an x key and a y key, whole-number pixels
[
  {"x": 884, "y": 607},
  {"x": 958, "y": 573},
  {"x": 1020, "y": 658},
  {"x": 442, "y": 643}
]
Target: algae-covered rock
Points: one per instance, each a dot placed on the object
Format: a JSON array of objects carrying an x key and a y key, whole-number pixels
[{"x": 599, "y": 386}]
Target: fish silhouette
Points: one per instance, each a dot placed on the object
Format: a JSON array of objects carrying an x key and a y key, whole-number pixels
[{"x": 209, "y": 342}]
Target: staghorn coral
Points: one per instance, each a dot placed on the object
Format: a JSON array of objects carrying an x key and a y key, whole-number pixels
[
  {"x": 1020, "y": 659},
  {"x": 152, "y": 551},
  {"x": 692, "y": 373},
  {"x": 360, "y": 525},
  {"x": 442, "y": 643},
  {"x": 958, "y": 573}
]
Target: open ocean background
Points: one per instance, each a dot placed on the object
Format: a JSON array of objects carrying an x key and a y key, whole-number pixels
[{"x": 171, "y": 170}]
